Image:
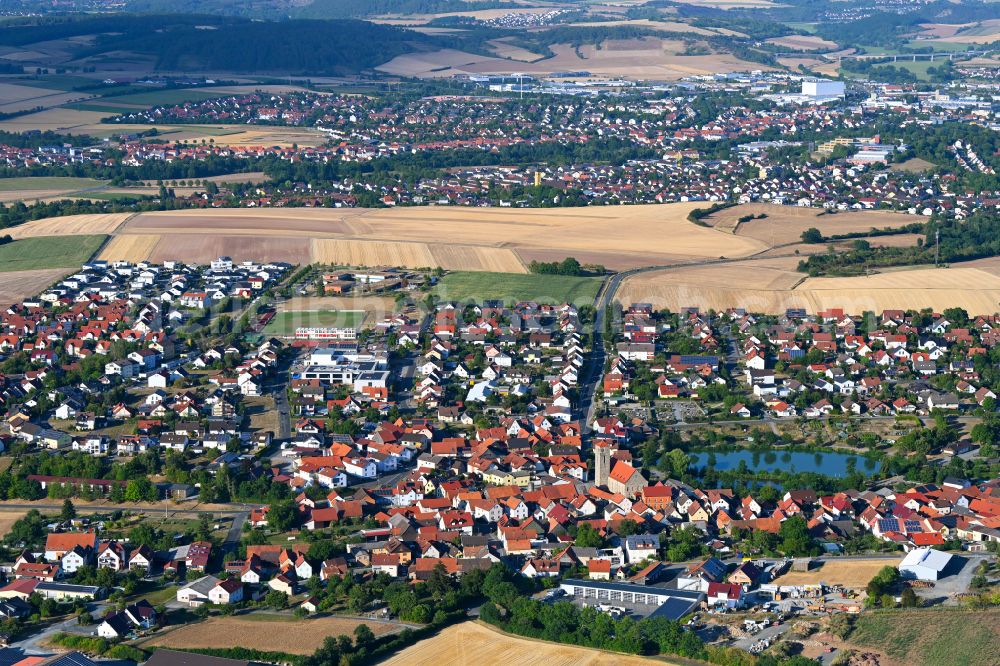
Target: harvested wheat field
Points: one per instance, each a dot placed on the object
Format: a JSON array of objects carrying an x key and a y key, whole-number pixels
[
  {"x": 973, "y": 288},
  {"x": 70, "y": 225},
  {"x": 982, "y": 32},
  {"x": 131, "y": 247},
  {"x": 7, "y": 519},
  {"x": 644, "y": 58},
  {"x": 784, "y": 224},
  {"x": 666, "y": 26},
  {"x": 803, "y": 43},
  {"x": 197, "y": 248},
  {"x": 849, "y": 573},
  {"x": 15, "y": 286},
  {"x": 369, "y": 253},
  {"x": 473, "y": 258},
  {"x": 773, "y": 285},
  {"x": 457, "y": 238},
  {"x": 272, "y": 634},
  {"x": 504, "y": 49},
  {"x": 472, "y": 643},
  {"x": 55, "y": 120}
]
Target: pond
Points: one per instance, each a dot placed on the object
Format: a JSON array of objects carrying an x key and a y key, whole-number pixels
[{"x": 828, "y": 463}]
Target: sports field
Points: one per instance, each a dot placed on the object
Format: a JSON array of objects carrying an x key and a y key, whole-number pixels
[
  {"x": 284, "y": 323},
  {"x": 478, "y": 286},
  {"x": 32, "y": 254}
]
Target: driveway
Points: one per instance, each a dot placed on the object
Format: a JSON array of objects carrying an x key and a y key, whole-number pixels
[
  {"x": 33, "y": 645},
  {"x": 771, "y": 632}
]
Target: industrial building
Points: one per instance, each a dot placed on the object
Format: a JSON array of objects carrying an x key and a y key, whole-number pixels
[
  {"x": 662, "y": 602},
  {"x": 924, "y": 564}
]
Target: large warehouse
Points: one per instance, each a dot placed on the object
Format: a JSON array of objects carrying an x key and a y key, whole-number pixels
[
  {"x": 924, "y": 564},
  {"x": 672, "y": 604}
]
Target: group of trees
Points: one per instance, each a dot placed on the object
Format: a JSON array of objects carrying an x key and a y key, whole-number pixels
[
  {"x": 568, "y": 266},
  {"x": 508, "y": 608},
  {"x": 881, "y": 589}
]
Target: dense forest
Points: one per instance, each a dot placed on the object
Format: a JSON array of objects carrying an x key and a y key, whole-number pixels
[{"x": 197, "y": 43}]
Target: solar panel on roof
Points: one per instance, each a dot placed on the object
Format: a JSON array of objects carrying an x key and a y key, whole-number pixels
[
  {"x": 698, "y": 360},
  {"x": 888, "y": 525}
]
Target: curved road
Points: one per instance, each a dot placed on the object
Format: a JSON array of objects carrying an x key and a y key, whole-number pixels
[{"x": 594, "y": 368}]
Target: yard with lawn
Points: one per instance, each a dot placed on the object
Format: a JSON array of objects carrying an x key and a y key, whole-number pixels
[
  {"x": 513, "y": 287},
  {"x": 48, "y": 252},
  {"x": 285, "y": 323}
]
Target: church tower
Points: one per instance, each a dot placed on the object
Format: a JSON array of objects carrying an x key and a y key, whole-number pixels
[{"x": 602, "y": 463}]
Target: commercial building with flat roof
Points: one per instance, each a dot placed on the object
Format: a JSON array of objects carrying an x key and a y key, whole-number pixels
[{"x": 670, "y": 603}]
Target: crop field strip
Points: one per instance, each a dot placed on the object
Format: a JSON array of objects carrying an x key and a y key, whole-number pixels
[{"x": 474, "y": 643}]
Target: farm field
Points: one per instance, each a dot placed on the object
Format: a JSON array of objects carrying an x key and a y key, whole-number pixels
[
  {"x": 129, "y": 248},
  {"x": 475, "y": 643},
  {"x": 648, "y": 57},
  {"x": 354, "y": 252},
  {"x": 70, "y": 225},
  {"x": 284, "y": 323},
  {"x": 931, "y": 636},
  {"x": 7, "y": 519},
  {"x": 43, "y": 188},
  {"x": 772, "y": 285},
  {"x": 849, "y": 573},
  {"x": 15, "y": 286},
  {"x": 32, "y": 254},
  {"x": 270, "y": 633},
  {"x": 981, "y": 32},
  {"x": 85, "y": 118},
  {"x": 666, "y": 26},
  {"x": 784, "y": 224},
  {"x": 803, "y": 43},
  {"x": 47, "y": 183},
  {"x": 499, "y": 240},
  {"x": 479, "y": 286},
  {"x": 15, "y": 97}
]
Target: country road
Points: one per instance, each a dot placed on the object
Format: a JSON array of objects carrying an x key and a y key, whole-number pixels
[
  {"x": 234, "y": 509},
  {"x": 594, "y": 368}
]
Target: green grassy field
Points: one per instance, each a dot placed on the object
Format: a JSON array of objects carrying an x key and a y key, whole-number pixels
[
  {"x": 48, "y": 252},
  {"x": 285, "y": 323},
  {"x": 47, "y": 183},
  {"x": 919, "y": 68},
  {"x": 157, "y": 97},
  {"x": 115, "y": 196},
  {"x": 99, "y": 106},
  {"x": 511, "y": 287},
  {"x": 947, "y": 47},
  {"x": 931, "y": 636}
]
